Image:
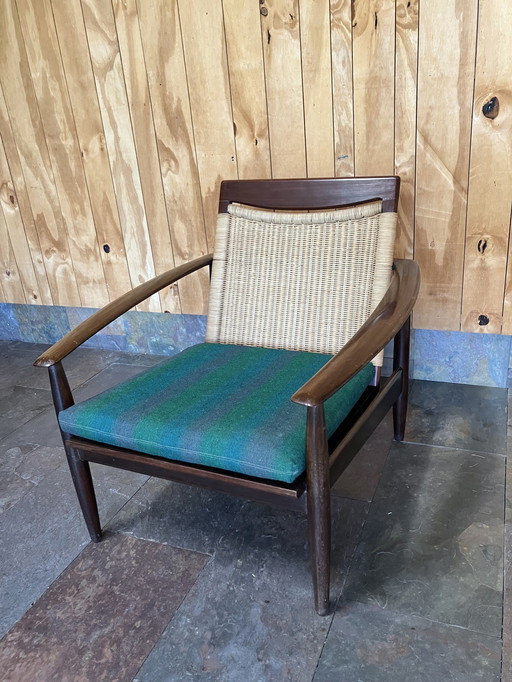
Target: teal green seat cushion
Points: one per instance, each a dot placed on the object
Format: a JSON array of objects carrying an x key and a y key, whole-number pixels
[{"x": 217, "y": 405}]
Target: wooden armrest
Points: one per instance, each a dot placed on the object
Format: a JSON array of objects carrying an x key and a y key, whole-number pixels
[
  {"x": 383, "y": 324},
  {"x": 110, "y": 312}
]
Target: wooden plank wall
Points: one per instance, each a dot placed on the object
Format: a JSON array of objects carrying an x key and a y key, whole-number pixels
[{"x": 119, "y": 118}]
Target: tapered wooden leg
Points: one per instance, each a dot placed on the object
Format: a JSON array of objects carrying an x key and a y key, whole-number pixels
[
  {"x": 80, "y": 471},
  {"x": 82, "y": 479},
  {"x": 319, "y": 507},
  {"x": 401, "y": 359}
]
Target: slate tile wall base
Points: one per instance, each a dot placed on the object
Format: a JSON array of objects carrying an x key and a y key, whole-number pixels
[{"x": 456, "y": 357}]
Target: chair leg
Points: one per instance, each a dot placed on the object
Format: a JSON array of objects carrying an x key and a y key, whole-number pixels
[
  {"x": 80, "y": 470},
  {"x": 82, "y": 479},
  {"x": 401, "y": 359},
  {"x": 318, "y": 507}
]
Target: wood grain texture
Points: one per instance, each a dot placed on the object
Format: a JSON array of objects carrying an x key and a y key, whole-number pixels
[
  {"x": 406, "y": 65},
  {"x": 210, "y": 101},
  {"x": 168, "y": 88},
  {"x": 281, "y": 48},
  {"x": 132, "y": 55},
  {"x": 315, "y": 38},
  {"x": 247, "y": 82},
  {"x": 55, "y": 110},
  {"x": 342, "y": 94},
  {"x": 373, "y": 24},
  {"x": 111, "y": 89},
  {"x": 490, "y": 173},
  {"x": 15, "y": 237},
  {"x": 10, "y": 281},
  {"x": 120, "y": 123},
  {"x": 76, "y": 60},
  {"x": 445, "y": 88},
  {"x": 36, "y": 167}
]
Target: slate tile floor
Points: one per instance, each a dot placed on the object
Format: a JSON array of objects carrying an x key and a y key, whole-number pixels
[{"x": 193, "y": 585}]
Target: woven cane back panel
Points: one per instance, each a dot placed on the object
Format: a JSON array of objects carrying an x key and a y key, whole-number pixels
[{"x": 299, "y": 281}]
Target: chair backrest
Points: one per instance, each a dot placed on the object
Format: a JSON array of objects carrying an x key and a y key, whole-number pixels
[{"x": 306, "y": 274}]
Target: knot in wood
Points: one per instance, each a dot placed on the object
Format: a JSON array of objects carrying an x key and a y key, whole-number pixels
[{"x": 491, "y": 109}]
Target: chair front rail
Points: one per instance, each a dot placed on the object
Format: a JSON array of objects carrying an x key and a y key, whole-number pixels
[{"x": 115, "y": 309}]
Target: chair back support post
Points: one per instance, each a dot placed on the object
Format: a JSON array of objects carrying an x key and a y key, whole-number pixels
[
  {"x": 401, "y": 349},
  {"x": 318, "y": 505}
]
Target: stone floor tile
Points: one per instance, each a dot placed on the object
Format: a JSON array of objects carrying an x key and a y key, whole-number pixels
[
  {"x": 184, "y": 516},
  {"x": 360, "y": 478},
  {"x": 250, "y": 616},
  {"x": 507, "y": 608},
  {"x": 433, "y": 541},
  {"x": 457, "y": 416},
  {"x": 18, "y": 405},
  {"x": 23, "y": 467},
  {"x": 45, "y": 530},
  {"x": 101, "y": 618},
  {"x": 368, "y": 644}
]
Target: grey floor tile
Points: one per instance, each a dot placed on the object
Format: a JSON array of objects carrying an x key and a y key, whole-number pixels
[
  {"x": 18, "y": 405},
  {"x": 100, "y": 619},
  {"x": 457, "y": 416},
  {"x": 250, "y": 615},
  {"x": 433, "y": 541},
  {"x": 44, "y": 531},
  {"x": 507, "y": 608},
  {"x": 366, "y": 644},
  {"x": 360, "y": 478},
  {"x": 23, "y": 467},
  {"x": 179, "y": 515},
  {"x": 81, "y": 365}
]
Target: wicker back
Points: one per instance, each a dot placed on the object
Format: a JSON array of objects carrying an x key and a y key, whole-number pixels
[{"x": 300, "y": 281}]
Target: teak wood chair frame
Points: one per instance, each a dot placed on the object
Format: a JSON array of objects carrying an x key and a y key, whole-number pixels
[{"x": 326, "y": 458}]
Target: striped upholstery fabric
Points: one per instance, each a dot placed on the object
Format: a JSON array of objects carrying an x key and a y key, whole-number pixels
[
  {"x": 300, "y": 281},
  {"x": 218, "y": 405}
]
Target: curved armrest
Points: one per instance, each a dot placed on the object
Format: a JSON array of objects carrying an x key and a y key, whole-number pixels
[
  {"x": 112, "y": 311},
  {"x": 383, "y": 324}
]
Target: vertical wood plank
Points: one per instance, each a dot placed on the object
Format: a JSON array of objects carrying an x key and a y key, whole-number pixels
[
  {"x": 507, "y": 302},
  {"x": 167, "y": 80},
  {"x": 315, "y": 36},
  {"x": 14, "y": 236},
  {"x": 343, "y": 103},
  {"x": 132, "y": 55},
  {"x": 281, "y": 49},
  {"x": 43, "y": 55},
  {"x": 35, "y": 163},
  {"x": 10, "y": 280},
  {"x": 19, "y": 219},
  {"x": 406, "y": 63},
  {"x": 445, "y": 89},
  {"x": 84, "y": 102},
  {"x": 210, "y": 100},
  {"x": 373, "y": 59},
  {"x": 110, "y": 86},
  {"x": 247, "y": 84},
  {"x": 490, "y": 174}
]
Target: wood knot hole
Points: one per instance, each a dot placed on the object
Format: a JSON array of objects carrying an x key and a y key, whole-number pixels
[
  {"x": 483, "y": 320},
  {"x": 263, "y": 11},
  {"x": 491, "y": 108},
  {"x": 482, "y": 245},
  {"x": 106, "y": 248}
]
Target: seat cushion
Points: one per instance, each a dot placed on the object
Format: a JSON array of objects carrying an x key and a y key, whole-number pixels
[{"x": 217, "y": 405}]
